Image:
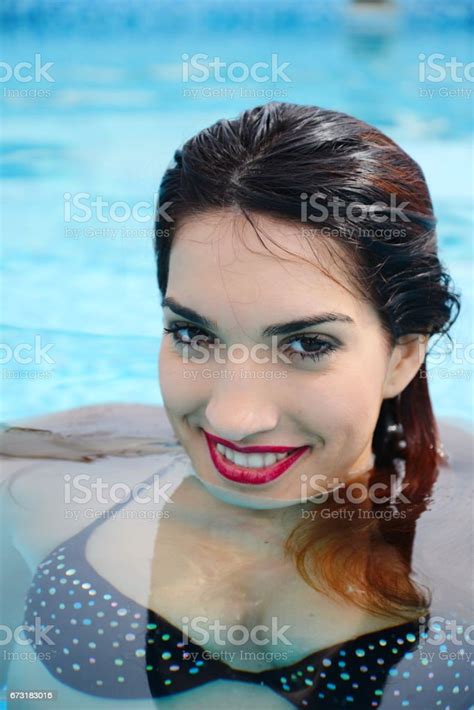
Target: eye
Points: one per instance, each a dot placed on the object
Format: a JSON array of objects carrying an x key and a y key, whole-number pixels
[
  {"x": 312, "y": 347},
  {"x": 189, "y": 335},
  {"x": 309, "y": 346}
]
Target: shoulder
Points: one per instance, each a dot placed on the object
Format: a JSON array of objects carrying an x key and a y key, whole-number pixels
[
  {"x": 47, "y": 459},
  {"x": 442, "y": 555},
  {"x": 52, "y": 501}
]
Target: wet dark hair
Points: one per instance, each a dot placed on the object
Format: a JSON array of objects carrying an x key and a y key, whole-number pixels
[{"x": 270, "y": 160}]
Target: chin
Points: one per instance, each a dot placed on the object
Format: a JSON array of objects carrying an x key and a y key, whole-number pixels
[{"x": 243, "y": 499}]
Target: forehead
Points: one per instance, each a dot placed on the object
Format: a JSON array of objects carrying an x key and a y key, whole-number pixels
[{"x": 267, "y": 264}]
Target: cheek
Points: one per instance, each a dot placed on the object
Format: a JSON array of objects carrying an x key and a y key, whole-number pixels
[
  {"x": 181, "y": 390},
  {"x": 343, "y": 406}
]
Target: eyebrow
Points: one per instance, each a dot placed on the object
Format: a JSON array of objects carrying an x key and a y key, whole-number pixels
[{"x": 274, "y": 329}]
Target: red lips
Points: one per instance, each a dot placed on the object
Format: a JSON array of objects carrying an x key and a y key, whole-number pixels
[
  {"x": 251, "y": 449},
  {"x": 252, "y": 476}
]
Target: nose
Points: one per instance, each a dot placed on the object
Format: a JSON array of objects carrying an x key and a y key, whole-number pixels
[{"x": 239, "y": 410}]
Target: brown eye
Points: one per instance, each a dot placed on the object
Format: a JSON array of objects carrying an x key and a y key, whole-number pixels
[
  {"x": 310, "y": 347},
  {"x": 192, "y": 335}
]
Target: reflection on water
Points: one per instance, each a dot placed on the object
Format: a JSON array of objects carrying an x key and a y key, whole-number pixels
[
  {"x": 136, "y": 652},
  {"x": 109, "y": 126}
]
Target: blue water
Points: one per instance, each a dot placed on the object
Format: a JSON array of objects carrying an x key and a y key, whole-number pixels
[{"x": 115, "y": 113}]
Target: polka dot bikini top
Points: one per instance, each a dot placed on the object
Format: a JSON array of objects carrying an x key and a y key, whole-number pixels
[{"x": 107, "y": 645}]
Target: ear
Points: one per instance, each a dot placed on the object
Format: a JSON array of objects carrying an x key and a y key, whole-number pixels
[{"x": 406, "y": 359}]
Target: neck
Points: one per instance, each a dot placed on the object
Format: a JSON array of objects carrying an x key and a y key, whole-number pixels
[{"x": 235, "y": 514}]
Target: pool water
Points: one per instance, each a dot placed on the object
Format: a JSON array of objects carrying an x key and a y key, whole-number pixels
[{"x": 85, "y": 303}]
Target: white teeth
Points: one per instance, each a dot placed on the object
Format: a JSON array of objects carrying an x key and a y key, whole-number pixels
[
  {"x": 249, "y": 460},
  {"x": 260, "y": 460},
  {"x": 229, "y": 455},
  {"x": 270, "y": 459},
  {"x": 240, "y": 459}
]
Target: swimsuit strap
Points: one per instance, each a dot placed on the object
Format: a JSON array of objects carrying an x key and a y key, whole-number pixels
[{"x": 109, "y": 512}]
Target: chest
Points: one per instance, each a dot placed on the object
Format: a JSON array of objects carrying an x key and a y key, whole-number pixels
[{"x": 229, "y": 596}]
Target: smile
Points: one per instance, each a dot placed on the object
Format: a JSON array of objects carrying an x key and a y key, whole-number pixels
[{"x": 253, "y": 465}]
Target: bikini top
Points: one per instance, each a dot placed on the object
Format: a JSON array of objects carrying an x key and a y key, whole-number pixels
[{"x": 96, "y": 640}]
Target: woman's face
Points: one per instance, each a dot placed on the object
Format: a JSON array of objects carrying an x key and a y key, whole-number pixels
[{"x": 317, "y": 388}]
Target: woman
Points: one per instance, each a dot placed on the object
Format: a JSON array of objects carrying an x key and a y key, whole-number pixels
[{"x": 272, "y": 564}]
